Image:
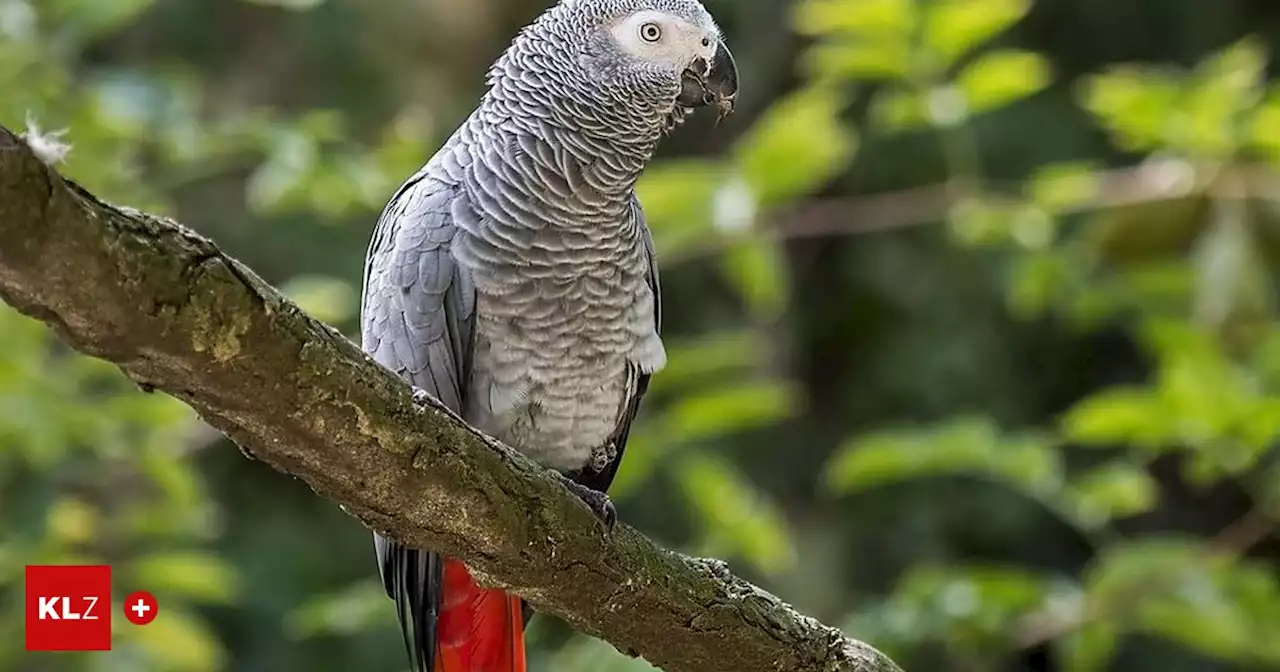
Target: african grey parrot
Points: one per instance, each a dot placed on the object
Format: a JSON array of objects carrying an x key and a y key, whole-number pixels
[{"x": 512, "y": 277}]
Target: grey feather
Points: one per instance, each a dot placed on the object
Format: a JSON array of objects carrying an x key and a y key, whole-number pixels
[
  {"x": 600, "y": 477},
  {"x": 417, "y": 317},
  {"x": 513, "y": 277}
]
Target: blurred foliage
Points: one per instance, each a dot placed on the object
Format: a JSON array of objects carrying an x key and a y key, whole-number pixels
[{"x": 1028, "y": 425}]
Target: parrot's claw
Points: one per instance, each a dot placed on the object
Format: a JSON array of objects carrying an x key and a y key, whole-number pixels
[
  {"x": 421, "y": 396},
  {"x": 597, "y": 501}
]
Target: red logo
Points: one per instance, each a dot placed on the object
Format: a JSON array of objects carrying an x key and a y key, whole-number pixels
[
  {"x": 140, "y": 607},
  {"x": 68, "y": 608}
]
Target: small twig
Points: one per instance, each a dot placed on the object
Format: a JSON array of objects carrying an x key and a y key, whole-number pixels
[
  {"x": 1151, "y": 181},
  {"x": 1237, "y": 538}
]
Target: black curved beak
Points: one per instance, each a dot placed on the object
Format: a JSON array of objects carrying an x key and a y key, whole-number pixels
[{"x": 712, "y": 84}]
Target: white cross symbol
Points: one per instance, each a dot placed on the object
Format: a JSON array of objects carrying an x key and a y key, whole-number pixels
[{"x": 141, "y": 608}]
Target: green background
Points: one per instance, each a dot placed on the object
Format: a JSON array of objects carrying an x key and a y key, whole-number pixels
[{"x": 970, "y": 308}]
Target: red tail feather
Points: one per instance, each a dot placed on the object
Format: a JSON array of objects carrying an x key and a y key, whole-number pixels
[{"x": 479, "y": 630}]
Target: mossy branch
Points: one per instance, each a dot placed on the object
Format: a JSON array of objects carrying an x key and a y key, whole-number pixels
[{"x": 179, "y": 316}]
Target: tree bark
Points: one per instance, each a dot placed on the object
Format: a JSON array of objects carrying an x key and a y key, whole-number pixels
[{"x": 178, "y": 315}]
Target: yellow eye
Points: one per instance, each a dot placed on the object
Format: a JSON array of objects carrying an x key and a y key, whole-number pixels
[{"x": 650, "y": 32}]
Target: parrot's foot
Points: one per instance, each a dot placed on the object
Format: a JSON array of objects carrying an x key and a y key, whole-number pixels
[
  {"x": 425, "y": 399},
  {"x": 597, "y": 501},
  {"x": 421, "y": 396}
]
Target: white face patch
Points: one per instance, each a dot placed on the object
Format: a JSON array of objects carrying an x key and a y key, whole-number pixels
[{"x": 663, "y": 39}]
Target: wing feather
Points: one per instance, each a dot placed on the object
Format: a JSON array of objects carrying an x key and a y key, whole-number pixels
[{"x": 417, "y": 320}]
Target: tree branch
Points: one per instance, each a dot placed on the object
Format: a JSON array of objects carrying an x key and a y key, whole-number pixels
[
  {"x": 1151, "y": 181},
  {"x": 178, "y": 315}
]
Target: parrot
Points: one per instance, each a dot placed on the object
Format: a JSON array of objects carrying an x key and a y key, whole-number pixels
[{"x": 512, "y": 277}]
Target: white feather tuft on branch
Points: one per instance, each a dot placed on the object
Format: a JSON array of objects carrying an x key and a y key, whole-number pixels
[{"x": 48, "y": 146}]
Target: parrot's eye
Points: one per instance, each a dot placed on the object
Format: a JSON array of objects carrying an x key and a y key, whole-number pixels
[{"x": 650, "y": 32}]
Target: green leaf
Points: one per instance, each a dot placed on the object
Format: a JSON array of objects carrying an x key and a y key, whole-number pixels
[
  {"x": 1062, "y": 186},
  {"x": 1135, "y": 104},
  {"x": 71, "y": 521},
  {"x": 864, "y": 17},
  {"x": 278, "y": 181},
  {"x": 1161, "y": 286},
  {"x": 176, "y": 641},
  {"x": 953, "y": 27},
  {"x": 1175, "y": 340},
  {"x": 354, "y": 609},
  {"x": 1116, "y": 416},
  {"x": 1032, "y": 228},
  {"x": 1181, "y": 590},
  {"x": 758, "y": 269},
  {"x": 709, "y": 357},
  {"x": 1222, "y": 87},
  {"x": 1009, "y": 588},
  {"x": 992, "y": 220},
  {"x": 1205, "y": 401},
  {"x": 713, "y": 401},
  {"x": 1153, "y": 564},
  {"x": 1002, "y": 77},
  {"x": 1263, "y": 127},
  {"x": 1269, "y": 491},
  {"x": 1115, "y": 490},
  {"x": 677, "y": 196},
  {"x": 797, "y": 146},
  {"x": 1202, "y": 113},
  {"x": 971, "y": 609},
  {"x": 899, "y": 109},
  {"x": 1258, "y": 426},
  {"x": 1036, "y": 279},
  {"x": 402, "y": 144},
  {"x": 737, "y": 519},
  {"x": 966, "y": 446},
  {"x": 1236, "y": 71},
  {"x": 1263, "y": 360},
  {"x": 192, "y": 574},
  {"x": 869, "y": 59},
  {"x": 732, "y": 408},
  {"x": 1089, "y": 649}
]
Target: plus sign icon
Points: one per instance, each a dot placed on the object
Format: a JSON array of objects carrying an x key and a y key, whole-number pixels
[
  {"x": 140, "y": 607},
  {"x": 69, "y": 608}
]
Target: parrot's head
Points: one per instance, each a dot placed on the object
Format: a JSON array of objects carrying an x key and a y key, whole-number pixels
[
  {"x": 648, "y": 62},
  {"x": 672, "y": 50}
]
